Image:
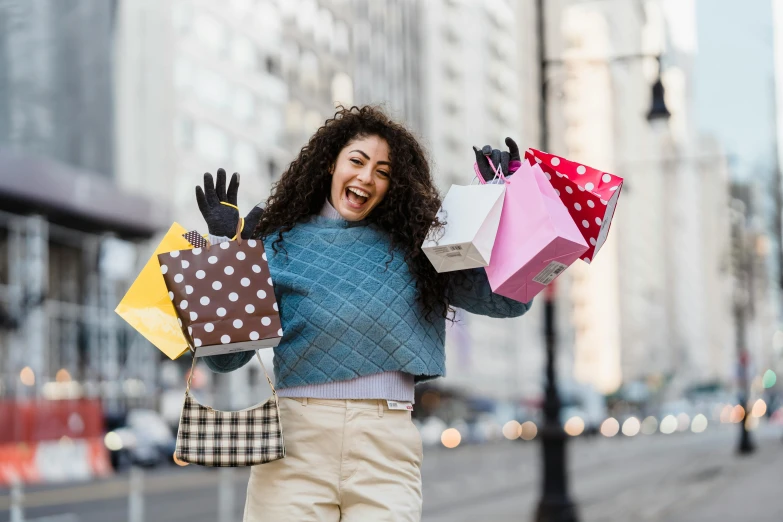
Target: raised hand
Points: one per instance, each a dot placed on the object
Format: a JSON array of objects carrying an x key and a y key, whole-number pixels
[
  {"x": 506, "y": 159},
  {"x": 218, "y": 206}
]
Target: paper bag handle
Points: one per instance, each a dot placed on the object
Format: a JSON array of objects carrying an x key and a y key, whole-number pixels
[{"x": 498, "y": 172}]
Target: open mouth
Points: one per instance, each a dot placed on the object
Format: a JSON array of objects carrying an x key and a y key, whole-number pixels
[{"x": 356, "y": 198}]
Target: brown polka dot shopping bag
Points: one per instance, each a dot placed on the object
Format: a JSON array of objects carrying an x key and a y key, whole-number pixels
[{"x": 224, "y": 297}]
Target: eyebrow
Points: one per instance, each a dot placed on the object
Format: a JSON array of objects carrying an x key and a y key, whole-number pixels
[{"x": 368, "y": 157}]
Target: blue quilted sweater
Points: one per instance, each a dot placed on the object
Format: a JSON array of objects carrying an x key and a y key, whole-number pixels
[{"x": 348, "y": 308}]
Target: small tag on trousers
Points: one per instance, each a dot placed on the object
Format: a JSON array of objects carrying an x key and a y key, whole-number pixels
[{"x": 397, "y": 405}]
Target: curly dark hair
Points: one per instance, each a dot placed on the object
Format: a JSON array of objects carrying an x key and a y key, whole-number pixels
[{"x": 406, "y": 214}]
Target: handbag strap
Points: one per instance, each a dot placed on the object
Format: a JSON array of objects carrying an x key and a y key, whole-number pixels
[{"x": 193, "y": 367}]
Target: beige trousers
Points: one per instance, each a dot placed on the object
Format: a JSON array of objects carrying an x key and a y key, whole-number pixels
[{"x": 346, "y": 460}]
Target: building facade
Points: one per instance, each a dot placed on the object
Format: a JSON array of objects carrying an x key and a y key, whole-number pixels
[
  {"x": 653, "y": 306},
  {"x": 70, "y": 236}
]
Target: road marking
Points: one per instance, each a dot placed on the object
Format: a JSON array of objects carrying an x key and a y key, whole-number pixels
[
  {"x": 66, "y": 517},
  {"x": 94, "y": 491}
]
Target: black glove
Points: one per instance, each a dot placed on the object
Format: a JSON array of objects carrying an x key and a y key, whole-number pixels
[
  {"x": 498, "y": 157},
  {"x": 222, "y": 219}
]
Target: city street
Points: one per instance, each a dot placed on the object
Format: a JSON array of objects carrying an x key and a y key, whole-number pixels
[{"x": 678, "y": 478}]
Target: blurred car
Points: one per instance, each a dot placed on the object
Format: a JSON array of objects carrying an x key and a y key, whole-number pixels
[{"x": 144, "y": 440}]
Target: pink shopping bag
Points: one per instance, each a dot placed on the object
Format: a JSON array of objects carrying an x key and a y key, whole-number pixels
[
  {"x": 537, "y": 239},
  {"x": 590, "y": 195}
]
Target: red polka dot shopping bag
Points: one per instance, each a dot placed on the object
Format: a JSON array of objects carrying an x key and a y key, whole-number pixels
[
  {"x": 536, "y": 240},
  {"x": 223, "y": 296},
  {"x": 590, "y": 195}
]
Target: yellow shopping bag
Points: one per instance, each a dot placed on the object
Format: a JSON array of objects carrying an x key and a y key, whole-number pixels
[{"x": 147, "y": 306}]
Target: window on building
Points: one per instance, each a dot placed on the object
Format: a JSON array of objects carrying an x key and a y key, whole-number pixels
[
  {"x": 245, "y": 157},
  {"x": 309, "y": 71},
  {"x": 453, "y": 144},
  {"x": 183, "y": 133},
  {"x": 451, "y": 108},
  {"x": 211, "y": 33},
  {"x": 324, "y": 27},
  {"x": 341, "y": 44},
  {"x": 342, "y": 89},
  {"x": 243, "y": 52},
  {"x": 268, "y": 18},
  {"x": 271, "y": 65},
  {"x": 183, "y": 75},
  {"x": 451, "y": 73},
  {"x": 312, "y": 121},
  {"x": 306, "y": 15},
  {"x": 361, "y": 39},
  {"x": 212, "y": 89},
  {"x": 294, "y": 114},
  {"x": 182, "y": 15},
  {"x": 450, "y": 35},
  {"x": 241, "y": 7},
  {"x": 243, "y": 104},
  {"x": 211, "y": 142},
  {"x": 289, "y": 60},
  {"x": 270, "y": 122},
  {"x": 288, "y": 9}
]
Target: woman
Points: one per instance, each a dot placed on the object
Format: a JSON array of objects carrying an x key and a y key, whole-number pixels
[{"x": 363, "y": 313}]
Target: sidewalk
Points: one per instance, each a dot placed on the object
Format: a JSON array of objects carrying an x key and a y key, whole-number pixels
[
  {"x": 750, "y": 490},
  {"x": 681, "y": 478}
]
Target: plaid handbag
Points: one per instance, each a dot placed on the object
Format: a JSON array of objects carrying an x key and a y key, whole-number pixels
[{"x": 210, "y": 437}]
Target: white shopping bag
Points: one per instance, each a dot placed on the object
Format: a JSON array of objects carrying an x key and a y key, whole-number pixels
[{"x": 472, "y": 214}]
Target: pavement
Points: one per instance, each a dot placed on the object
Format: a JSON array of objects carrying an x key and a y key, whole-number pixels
[{"x": 678, "y": 478}]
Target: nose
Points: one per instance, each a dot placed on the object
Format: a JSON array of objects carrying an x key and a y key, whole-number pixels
[{"x": 365, "y": 175}]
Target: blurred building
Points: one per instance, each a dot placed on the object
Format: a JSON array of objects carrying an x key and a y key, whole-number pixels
[
  {"x": 67, "y": 230},
  {"x": 653, "y": 307},
  {"x": 388, "y": 65},
  {"x": 478, "y": 86}
]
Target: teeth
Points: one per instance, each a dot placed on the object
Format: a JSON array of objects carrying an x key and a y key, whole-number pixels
[{"x": 359, "y": 192}]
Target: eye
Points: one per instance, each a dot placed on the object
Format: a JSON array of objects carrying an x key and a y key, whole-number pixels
[
  {"x": 356, "y": 161},
  {"x": 383, "y": 173}
]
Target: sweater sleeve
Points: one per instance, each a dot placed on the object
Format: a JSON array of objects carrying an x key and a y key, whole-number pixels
[
  {"x": 228, "y": 362},
  {"x": 470, "y": 291}
]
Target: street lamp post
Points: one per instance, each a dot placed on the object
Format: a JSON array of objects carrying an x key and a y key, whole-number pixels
[
  {"x": 743, "y": 283},
  {"x": 555, "y": 504}
]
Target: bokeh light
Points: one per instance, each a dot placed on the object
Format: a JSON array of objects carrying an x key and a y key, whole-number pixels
[
  {"x": 631, "y": 427},
  {"x": 610, "y": 427},
  {"x": 769, "y": 379},
  {"x": 649, "y": 425},
  {"x": 574, "y": 426},
  {"x": 529, "y": 430},
  {"x": 511, "y": 430},
  {"x": 725, "y": 414},
  {"x": 737, "y": 414},
  {"x": 759, "y": 408},
  {"x": 683, "y": 422},
  {"x": 699, "y": 423},
  {"x": 751, "y": 422},
  {"x": 668, "y": 425},
  {"x": 27, "y": 376},
  {"x": 112, "y": 441},
  {"x": 451, "y": 438},
  {"x": 62, "y": 375}
]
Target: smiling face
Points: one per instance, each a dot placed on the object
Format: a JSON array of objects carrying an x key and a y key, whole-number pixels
[{"x": 360, "y": 178}]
